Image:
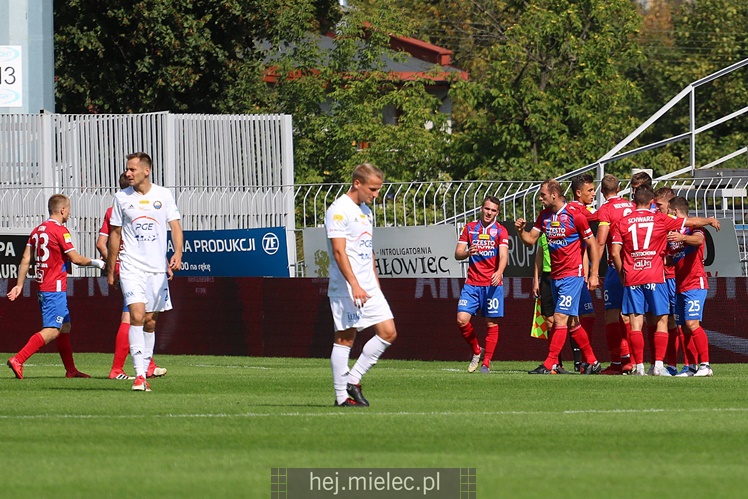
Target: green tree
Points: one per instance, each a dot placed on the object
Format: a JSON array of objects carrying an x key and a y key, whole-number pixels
[
  {"x": 553, "y": 95},
  {"x": 338, "y": 96},
  {"x": 196, "y": 56}
]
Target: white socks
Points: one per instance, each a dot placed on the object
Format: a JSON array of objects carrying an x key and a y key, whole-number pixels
[
  {"x": 150, "y": 341},
  {"x": 137, "y": 349},
  {"x": 339, "y": 363},
  {"x": 369, "y": 356}
]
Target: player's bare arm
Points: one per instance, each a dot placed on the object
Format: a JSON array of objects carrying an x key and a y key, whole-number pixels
[
  {"x": 101, "y": 246},
  {"x": 84, "y": 261},
  {"x": 602, "y": 236},
  {"x": 536, "y": 271},
  {"x": 528, "y": 238},
  {"x": 497, "y": 279},
  {"x": 23, "y": 269},
  {"x": 338, "y": 252},
  {"x": 177, "y": 238},
  {"x": 699, "y": 222},
  {"x": 464, "y": 250},
  {"x": 115, "y": 238},
  {"x": 615, "y": 253},
  {"x": 593, "y": 281}
]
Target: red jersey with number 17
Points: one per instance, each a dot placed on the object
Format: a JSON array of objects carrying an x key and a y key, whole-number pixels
[
  {"x": 643, "y": 235},
  {"x": 488, "y": 240},
  {"x": 565, "y": 230},
  {"x": 50, "y": 242}
]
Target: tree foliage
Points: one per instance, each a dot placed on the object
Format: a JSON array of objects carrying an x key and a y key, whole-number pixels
[{"x": 195, "y": 56}]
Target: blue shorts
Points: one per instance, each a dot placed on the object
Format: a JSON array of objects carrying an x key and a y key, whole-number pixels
[
  {"x": 690, "y": 305},
  {"x": 566, "y": 293},
  {"x": 54, "y": 305},
  {"x": 671, "y": 294},
  {"x": 585, "y": 302},
  {"x": 646, "y": 298},
  {"x": 613, "y": 290},
  {"x": 489, "y": 300}
]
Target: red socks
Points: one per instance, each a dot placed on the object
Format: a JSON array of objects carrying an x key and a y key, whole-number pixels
[
  {"x": 66, "y": 352},
  {"x": 614, "y": 337},
  {"x": 673, "y": 339},
  {"x": 492, "y": 339},
  {"x": 702, "y": 344},
  {"x": 32, "y": 346},
  {"x": 583, "y": 340},
  {"x": 469, "y": 334},
  {"x": 121, "y": 347},
  {"x": 558, "y": 340},
  {"x": 660, "y": 345},
  {"x": 636, "y": 342}
]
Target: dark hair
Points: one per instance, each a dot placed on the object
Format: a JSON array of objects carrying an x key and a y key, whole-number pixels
[
  {"x": 142, "y": 157},
  {"x": 639, "y": 179},
  {"x": 679, "y": 203},
  {"x": 492, "y": 199},
  {"x": 609, "y": 184},
  {"x": 123, "y": 182},
  {"x": 580, "y": 180},
  {"x": 643, "y": 195}
]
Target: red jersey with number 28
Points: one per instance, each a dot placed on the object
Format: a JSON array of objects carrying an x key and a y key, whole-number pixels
[
  {"x": 643, "y": 235},
  {"x": 488, "y": 239},
  {"x": 565, "y": 231},
  {"x": 50, "y": 243}
]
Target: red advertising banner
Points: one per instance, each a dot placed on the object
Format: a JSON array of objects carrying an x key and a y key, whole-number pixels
[{"x": 280, "y": 317}]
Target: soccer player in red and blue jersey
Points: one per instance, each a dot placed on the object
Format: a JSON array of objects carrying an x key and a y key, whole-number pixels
[
  {"x": 486, "y": 243},
  {"x": 691, "y": 288},
  {"x": 639, "y": 243},
  {"x": 663, "y": 195},
  {"x": 616, "y": 328},
  {"x": 566, "y": 228},
  {"x": 583, "y": 187},
  {"x": 53, "y": 250}
]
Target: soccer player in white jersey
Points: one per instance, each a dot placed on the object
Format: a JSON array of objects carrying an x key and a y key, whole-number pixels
[
  {"x": 140, "y": 217},
  {"x": 356, "y": 299}
]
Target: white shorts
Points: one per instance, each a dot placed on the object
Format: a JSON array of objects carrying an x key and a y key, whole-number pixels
[
  {"x": 146, "y": 287},
  {"x": 346, "y": 315}
]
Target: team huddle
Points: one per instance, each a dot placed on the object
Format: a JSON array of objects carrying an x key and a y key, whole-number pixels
[{"x": 654, "y": 270}]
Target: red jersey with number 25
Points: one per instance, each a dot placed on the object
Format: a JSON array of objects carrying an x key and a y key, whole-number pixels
[
  {"x": 643, "y": 235},
  {"x": 565, "y": 231},
  {"x": 488, "y": 239},
  {"x": 50, "y": 243}
]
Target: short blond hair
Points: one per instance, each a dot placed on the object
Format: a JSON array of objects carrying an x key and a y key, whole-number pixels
[
  {"x": 57, "y": 202},
  {"x": 363, "y": 171}
]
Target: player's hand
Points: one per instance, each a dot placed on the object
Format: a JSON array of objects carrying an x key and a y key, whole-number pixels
[
  {"x": 519, "y": 224},
  {"x": 360, "y": 296},
  {"x": 175, "y": 263},
  {"x": 14, "y": 293},
  {"x": 535, "y": 289},
  {"x": 497, "y": 279},
  {"x": 675, "y": 237},
  {"x": 169, "y": 273},
  {"x": 593, "y": 282},
  {"x": 714, "y": 223}
]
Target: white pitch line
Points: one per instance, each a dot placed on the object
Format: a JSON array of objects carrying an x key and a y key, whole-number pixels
[{"x": 366, "y": 413}]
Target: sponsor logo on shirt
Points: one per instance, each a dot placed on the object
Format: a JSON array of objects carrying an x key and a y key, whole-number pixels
[
  {"x": 337, "y": 218},
  {"x": 157, "y": 205},
  {"x": 67, "y": 237}
]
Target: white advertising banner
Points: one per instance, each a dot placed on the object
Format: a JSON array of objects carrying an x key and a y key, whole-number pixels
[
  {"x": 399, "y": 251},
  {"x": 11, "y": 76}
]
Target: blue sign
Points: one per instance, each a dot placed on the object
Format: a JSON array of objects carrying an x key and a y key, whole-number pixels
[{"x": 234, "y": 253}]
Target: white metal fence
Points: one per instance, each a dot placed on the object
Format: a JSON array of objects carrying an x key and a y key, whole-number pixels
[{"x": 228, "y": 171}]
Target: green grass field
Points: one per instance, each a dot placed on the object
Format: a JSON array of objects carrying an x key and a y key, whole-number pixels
[{"x": 215, "y": 426}]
